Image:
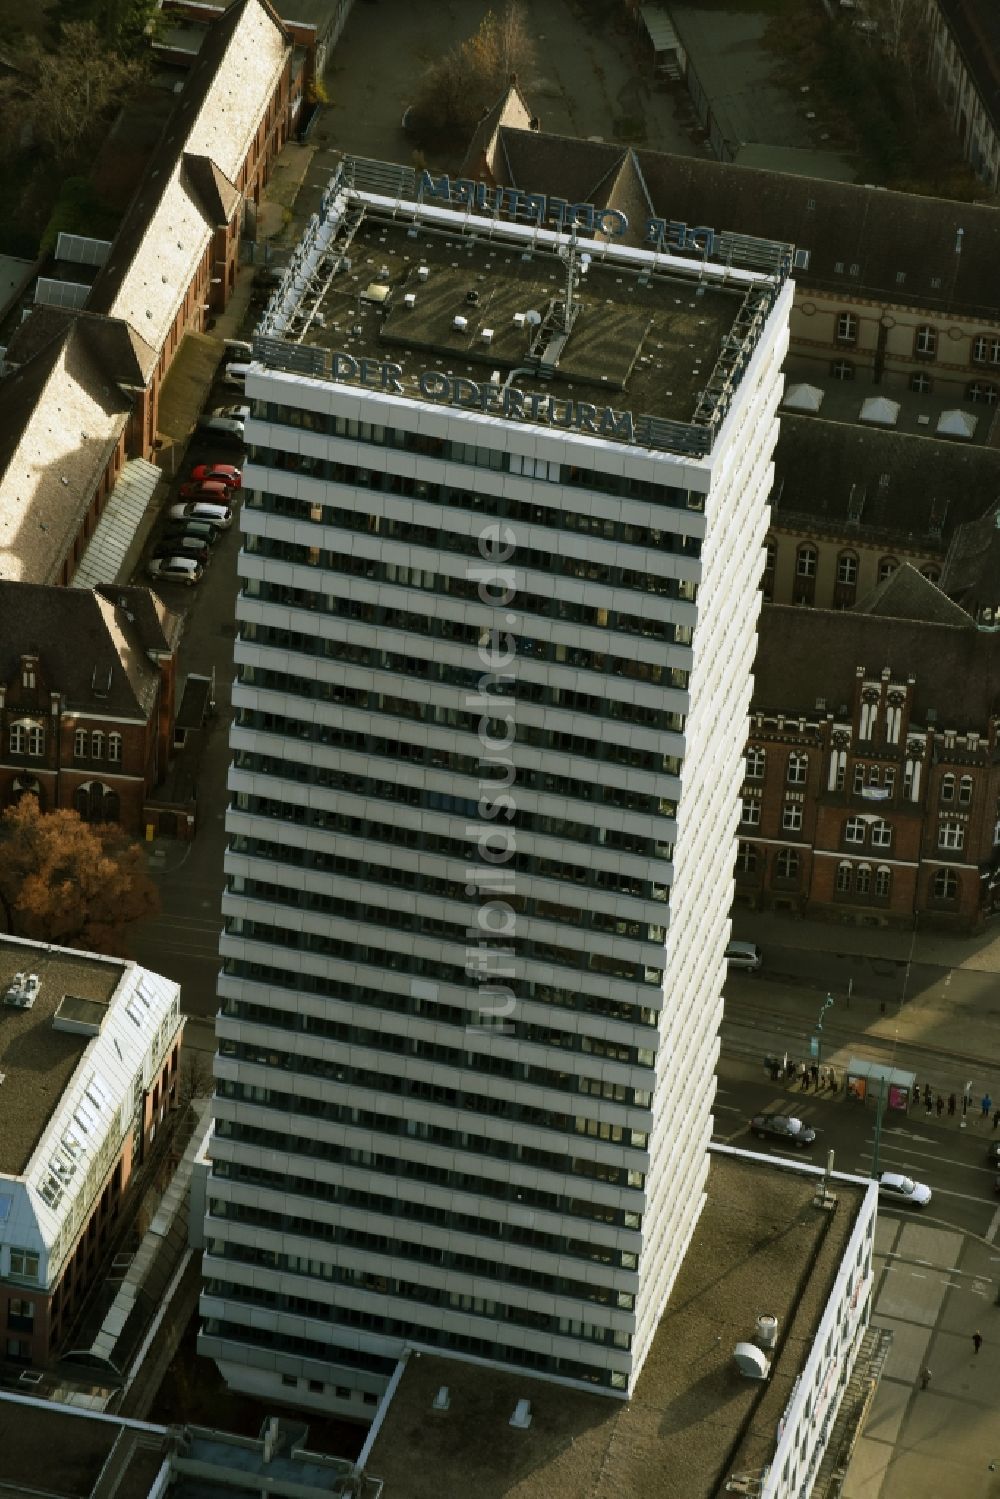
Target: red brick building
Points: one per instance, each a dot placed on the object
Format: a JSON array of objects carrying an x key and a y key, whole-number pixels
[
  {"x": 872, "y": 789},
  {"x": 81, "y": 389},
  {"x": 87, "y": 699}
]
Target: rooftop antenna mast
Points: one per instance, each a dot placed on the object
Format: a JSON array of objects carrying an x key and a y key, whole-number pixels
[{"x": 577, "y": 266}]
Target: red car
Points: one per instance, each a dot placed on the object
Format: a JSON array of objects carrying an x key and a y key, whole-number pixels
[
  {"x": 221, "y": 473},
  {"x": 210, "y": 489}
]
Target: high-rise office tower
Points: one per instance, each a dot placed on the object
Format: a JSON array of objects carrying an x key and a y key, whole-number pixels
[{"x": 503, "y": 520}]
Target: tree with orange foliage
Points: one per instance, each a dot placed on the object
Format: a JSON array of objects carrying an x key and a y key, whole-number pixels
[{"x": 70, "y": 882}]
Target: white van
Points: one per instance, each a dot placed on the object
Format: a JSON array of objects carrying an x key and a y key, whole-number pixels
[
  {"x": 236, "y": 374},
  {"x": 237, "y": 348}
]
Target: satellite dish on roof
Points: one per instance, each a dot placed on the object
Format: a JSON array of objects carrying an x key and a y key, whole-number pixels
[{"x": 532, "y": 318}]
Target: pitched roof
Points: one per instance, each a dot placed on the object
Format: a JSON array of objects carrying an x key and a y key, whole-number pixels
[
  {"x": 972, "y": 567},
  {"x": 806, "y": 654},
  {"x": 873, "y": 236},
  {"x": 847, "y": 480},
  {"x": 158, "y": 627},
  {"x": 218, "y": 197},
  {"x": 907, "y": 594},
  {"x": 61, "y": 416},
  {"x": 510, "y": 109},
  {"x": 975, "y": 26},
  {"x": 189, "y": 180},
  {"x": 127, "y": 359},
  {"x": 84, "y": 638}
]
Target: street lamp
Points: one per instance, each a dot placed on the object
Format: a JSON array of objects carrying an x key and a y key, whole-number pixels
[{"x": 827, "y": 1004}]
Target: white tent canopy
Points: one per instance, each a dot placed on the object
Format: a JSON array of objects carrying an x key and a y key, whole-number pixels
[
  {"x": 881, "y": 410},
  {"x": 803, "y": 398},
  {"x": 956, "y": 423}
]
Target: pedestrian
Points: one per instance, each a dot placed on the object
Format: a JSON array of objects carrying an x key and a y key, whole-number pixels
[
  {"x": 803, "y": 1074},
  {"x": 927, "y": 1097},
  {"x": 996, "y": 1117},
  {"x": 965, "y": 1105},
  {"x": 985, "y": 1104},
  {"x": 977, "y": 1341},
  {"x": 833, "y": 1080},
  {"x": 925, "y": 1377},
  {"x": 916, "y": 1093},
  {"x": 939, "y": 1105},
  {"x": 953, "y": 1103},
  {"x": 814, "y": 1071}
]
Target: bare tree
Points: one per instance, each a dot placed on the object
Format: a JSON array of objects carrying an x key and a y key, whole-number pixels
[
  {"x": 59, "y": 95},
  {"x": 457, "y": 90}
]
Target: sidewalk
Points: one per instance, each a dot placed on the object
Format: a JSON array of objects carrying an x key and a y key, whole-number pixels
[{"x": 980, "y": 951}]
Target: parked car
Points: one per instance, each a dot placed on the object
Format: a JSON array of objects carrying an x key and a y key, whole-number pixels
[
  {"x": 182, "y": 546},
  {"x": 235, "y": 374},
  {"x": 993, "y": 1153},
  {"x": 215, "y": 515},
  {"x": 782, "y": 1127},
  {"x": 208, "y": 489},
  {"x": 175, "y": 569},
  {"x": 238, "y": 413},
  {"x": 237, "y": 348},
  {"x": 744, "y": 955},
  {"x": 218, "y": 473},
  {"x": 200, "y": 531},
  {"x": 896, "y": 1188},
  {"x": 222, "y": 428},
  {"x": 267, "y": 276}
]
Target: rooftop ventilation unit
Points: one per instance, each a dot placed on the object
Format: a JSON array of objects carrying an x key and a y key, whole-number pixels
[
  {"x": 486, "y": 335},
  {"x": 522, "y": 1414},
  {"x": 410, "y": 299},
  {"x": 460, "y": 323},
  {"x": 766, "y": 1335},
  {"x": 442, "y": 1400},
  {"x": 751, "y": 1363},
  {"x": 423, "y": 272},
  {"x": 519, "y": 320},
  {"x": 22, "y": 991}
]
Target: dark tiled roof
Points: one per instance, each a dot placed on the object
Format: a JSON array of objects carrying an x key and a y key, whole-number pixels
[
  {"x": 907, "y": 594},
  {"x": 159, "y": 628},
  {"x": 212, "y": 188},
  {"x": 873, "y": 235},
  {"x": 805, "y": 654},
  {"x": 972, "y": 567},
  {"x": 827, "y": 472},
  {"x": 83, "y": 638},
  {"x": 975, "y": 25}
]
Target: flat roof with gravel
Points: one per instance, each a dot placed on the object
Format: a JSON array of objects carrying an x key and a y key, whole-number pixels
[
  {"x": 36, "y": 1060},
  {"x": 760, "y": 1247}
]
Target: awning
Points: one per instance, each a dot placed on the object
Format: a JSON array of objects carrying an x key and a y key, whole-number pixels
[
  {"x": 660, "y": 28},
  {"x": 874, "y": 1072},
  {"x": 881, "y": 410},
  {"x": 803, "y": 398},
  {"x": 956, "y": 423},
  {"x": 106, "y": 550}
]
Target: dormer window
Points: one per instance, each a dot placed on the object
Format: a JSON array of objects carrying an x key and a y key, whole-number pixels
[{"x": 28, "y": 676}]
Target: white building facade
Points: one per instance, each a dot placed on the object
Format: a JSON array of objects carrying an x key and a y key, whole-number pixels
[{"x": 491, "y": 698}]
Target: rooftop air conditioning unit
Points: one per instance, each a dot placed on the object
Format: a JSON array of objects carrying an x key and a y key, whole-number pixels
[
  {"x": 751, "y": 1363},
  {"x": 486, "y": 335},
  {"x": 522, "y": 1415},
  {"x": 519, "y": 320},
  {"x": 410, "y": 299},
  {"x": 460, "y": 323},
  {"x": 442, "y": 1400},
  {"x": 423, "y": 272}
]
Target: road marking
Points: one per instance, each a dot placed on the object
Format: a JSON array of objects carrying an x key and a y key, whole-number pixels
[
  {"x": 923, "y": 1139},
  {"x": 925, "y": 1155},
  {"x": 727, "y": 1108},
  {"x": 994, "y": 1228}
]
